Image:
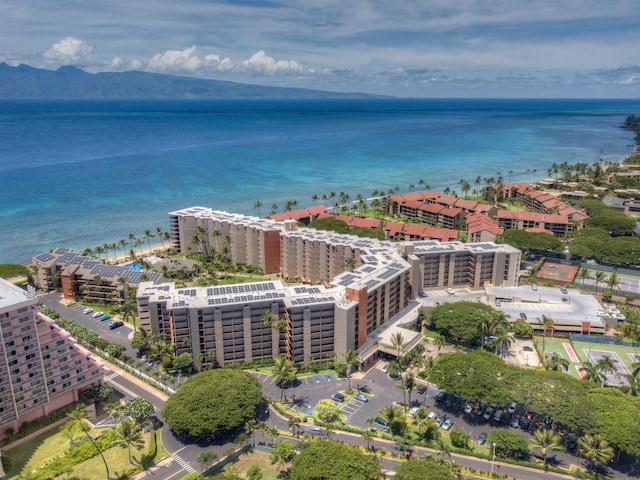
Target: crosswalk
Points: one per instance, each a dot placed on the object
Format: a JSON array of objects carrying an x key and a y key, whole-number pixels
[
  {"x": 183, "y": 463},
  {"x": 112, "y": 375}
]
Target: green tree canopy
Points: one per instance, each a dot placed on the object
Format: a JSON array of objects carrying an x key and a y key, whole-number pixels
[
  {"x": 531, "y": 240},
  {"x": 483, "y": 376},
  {"x": 427, "y": 468},
  {"x": 330, "y": 224},
  {"x": 139, "y": 409},
  {"x": 508, "y": 444},
  {"x": 332, "y": 460},
  {"x": 460, "y": 321},
  {"x": 607, "y": 218},
  {"x": 213, "y": 402}
]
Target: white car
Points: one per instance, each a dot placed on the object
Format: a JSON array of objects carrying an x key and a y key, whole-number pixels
[
  {"x": 413, "y": 412},
  {"x": 87, "y": 310},
  {"x": 98, "y": 314},
  {"x": 449, "y": 290},
  {"x": 601, "y": 313},
  {"x": 447, "y": 424}
]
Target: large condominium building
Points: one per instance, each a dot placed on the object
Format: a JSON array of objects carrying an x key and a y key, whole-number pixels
[
  {"x": 354, "y": 286},
  {"x": 43, "y": 367}
]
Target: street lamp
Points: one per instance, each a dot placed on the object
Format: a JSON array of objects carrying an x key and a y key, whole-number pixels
[{"x": 493, "y": 459}]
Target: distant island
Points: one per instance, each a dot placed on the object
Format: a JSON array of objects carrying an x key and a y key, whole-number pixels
[{"x": 25, "y": 82}]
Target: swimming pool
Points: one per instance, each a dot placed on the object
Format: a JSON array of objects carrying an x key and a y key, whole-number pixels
[{"x": 134, "y": 266}]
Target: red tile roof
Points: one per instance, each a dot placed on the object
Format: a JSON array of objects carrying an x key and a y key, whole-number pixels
[
  {"x": 431, "y": 233},
  {"x": 309, "y": 212},
  {"x": 478, "y": 223},
  {"x": 533, "y": 216},
  {"x": 420, "y": 196},
  {"x": 354, "y": 222}
]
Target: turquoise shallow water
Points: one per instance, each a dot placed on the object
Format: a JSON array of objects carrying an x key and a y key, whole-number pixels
[{"x": 82, "y": 173}]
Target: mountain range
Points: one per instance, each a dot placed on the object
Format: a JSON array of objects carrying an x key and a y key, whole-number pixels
[{"x": 25, "y": 82}]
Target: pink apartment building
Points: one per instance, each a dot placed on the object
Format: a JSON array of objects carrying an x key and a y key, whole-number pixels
[{"x": 43, "y": 368}]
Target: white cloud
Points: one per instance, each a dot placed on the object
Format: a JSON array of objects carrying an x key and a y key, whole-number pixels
[
  {"x": 70, "y": 51},
  {"x": 190, "y": 60},
  {"x": 262, "y": 64}
]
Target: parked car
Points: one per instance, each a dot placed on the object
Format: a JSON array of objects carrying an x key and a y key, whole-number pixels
[
  {"x": 447, "y": 424},
  {"x": 87, "y": 310},
  {"x": 498, "y": 415},
  {"x": 439, "y": 421},
  {"x": 468, "y": 408},
  {"x": 572, "y": 443},
  {"x": 105, "y": 318},
  {"x": 422, "y": 294},
  {"x": 97, "y": 314},
  {"x": 431, "y": 416},
  {"x": 381, "y": 421},
  {"x": 362, "y": 397},
  {"x": 515, "y": 421},
  {"x": 385, "y": 369},
  {"x": 69, "y": 303},
  {"x": 482, "y": 438},
  {"x": 441, "y": 396},
  {"x": 449, "y": 290},
  {"x": 525, "y": 423},
  {"x": 527, "y": 348},
  {"x": 481, "y": 408},
  {"x": 534, "y": 287},
  {"x": 513, "y": 406},
  {"x": 143, "y": 359},
  {"x": 422, "y": 389},
  {"x": 116, "y": 324},
  {"x": 338, "y": 397},
  {"x": 488, "y": 413},
  {"x": 564, "y": 290},
  {"x": 413, "y": 411}
]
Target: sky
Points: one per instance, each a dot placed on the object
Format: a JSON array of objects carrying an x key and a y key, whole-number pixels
[{"x": 405, "y": 48}]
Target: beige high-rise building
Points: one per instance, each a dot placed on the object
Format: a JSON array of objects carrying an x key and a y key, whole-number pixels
[{"x": 352, "y": 287}]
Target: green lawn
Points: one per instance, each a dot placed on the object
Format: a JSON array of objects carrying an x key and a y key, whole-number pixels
[
  {"x": 117, "y": 459},
  {"x": 40, "y": 450},
  {"x": 36, "y": 452},
  {"x": 246, "y": 461}
]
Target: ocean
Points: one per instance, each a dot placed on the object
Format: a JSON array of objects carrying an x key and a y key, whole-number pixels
[{"x": 79, "y": 174}]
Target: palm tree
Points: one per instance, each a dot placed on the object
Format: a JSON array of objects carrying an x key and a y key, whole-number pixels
[
  {"x": 504, "y": 340},
  {"x": 584, "y": 275},
  {"x": 545, "y": 441},
  {"x": 390, "y": 413},
  {"x": 367, "y": 436},
  {"x": 293, "y": 424},
  {"x": 353, "y": 361},
  {"x": 591, "y": 374},
  {"x": 257, "y": 206},
  {"x": 283, "y": 372},
  {"x": 599, "y": 277},
  {"x": 78, "y": 415},
  {"x": 595, "y": 449},
  {"x": 160, "y": 234},
  {"x": 397, "y": 342},
  {"x": 484, "y": 326},
  {"x": 612, "y": 281},
  {"x": 128, "y": 434},
  {"x": 439, "y": 341},
  {"x": 605, "y": 365},
  {"x": 633, "y": 388},
  {"x": 556, "y": 363},
  {"x": 545, "y": 322},
  {"x": 163, "y": 351},
  {"x": 410, "y": 384},
  {"x": 430, "y": 363}
]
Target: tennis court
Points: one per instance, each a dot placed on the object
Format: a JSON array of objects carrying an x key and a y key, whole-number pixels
[{"x": 612, "y": 378}]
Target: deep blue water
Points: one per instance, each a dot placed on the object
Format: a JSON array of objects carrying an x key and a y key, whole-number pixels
[{"x": 82, "y": 173}]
